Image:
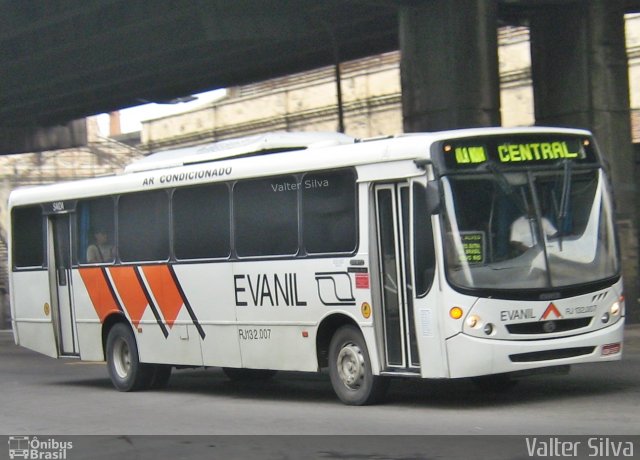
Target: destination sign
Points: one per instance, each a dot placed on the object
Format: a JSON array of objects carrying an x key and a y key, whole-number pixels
[
  {"x": 536, "y": 151},
  {"x": 517, "y": 151}
]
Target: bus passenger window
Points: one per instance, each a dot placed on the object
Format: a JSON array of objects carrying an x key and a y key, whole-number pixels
[
  {"x": 266, "y": 216},
  {"x": 201, "y": 222},
  {"x": 95, "y": 221},
  {"x": 143, "y": 226},
  {"x": 28, "y": 237},
  {"x": 329, "y": 212}
]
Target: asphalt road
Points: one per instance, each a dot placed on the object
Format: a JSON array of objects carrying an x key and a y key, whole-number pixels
[{"x": 43, "y": 396}]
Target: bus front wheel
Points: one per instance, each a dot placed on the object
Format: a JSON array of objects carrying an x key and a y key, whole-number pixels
[
  {"x": 126, "y": 371},
  {"x": 350, "y": 369}
]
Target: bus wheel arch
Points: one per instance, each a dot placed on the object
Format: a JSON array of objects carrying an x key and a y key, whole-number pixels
[
  {"x": 327, "y": 328},
  {"x": 350, "y": 368},
  {"x": 126, "y": 371},
  {"x": 107, "y": 324}
]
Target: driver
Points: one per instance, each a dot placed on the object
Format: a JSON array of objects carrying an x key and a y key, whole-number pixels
[{"x": 524, "y": 231}]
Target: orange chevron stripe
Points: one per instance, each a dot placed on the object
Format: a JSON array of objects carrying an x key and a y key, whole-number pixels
[
  {"x": 99, "y": 292},
  {"x": 164, "y": 291},
  {"x": 132, "y": 295}
]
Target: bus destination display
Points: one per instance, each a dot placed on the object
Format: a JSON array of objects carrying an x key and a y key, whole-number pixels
[{"x": 470, "y": 153}]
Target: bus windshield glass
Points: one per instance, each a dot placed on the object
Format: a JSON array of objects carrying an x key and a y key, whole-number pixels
[{"x": 529, "y": 228}]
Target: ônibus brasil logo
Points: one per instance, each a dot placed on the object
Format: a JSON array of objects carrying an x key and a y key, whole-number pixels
[{"x": 34, "y": 448}]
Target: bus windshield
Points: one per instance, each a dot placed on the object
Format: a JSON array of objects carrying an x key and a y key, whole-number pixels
[{"x": 528, "y": 229}]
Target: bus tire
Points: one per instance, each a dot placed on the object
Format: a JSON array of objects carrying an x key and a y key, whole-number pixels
[
  {"x": 126, "y": 371},
  {"x": 237, "y": 374},
  {"x": 350, "y": 369}
]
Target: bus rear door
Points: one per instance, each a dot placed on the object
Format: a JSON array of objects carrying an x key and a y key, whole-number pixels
[{"x": 61, "y": 284}]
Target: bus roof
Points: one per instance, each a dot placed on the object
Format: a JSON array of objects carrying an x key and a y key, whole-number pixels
[
  {"x": 288, "y": 153},
  {"x": 260, "y": 144}
]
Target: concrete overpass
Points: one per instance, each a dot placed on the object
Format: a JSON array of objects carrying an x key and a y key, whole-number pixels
[{"x": 62, "y": 61}]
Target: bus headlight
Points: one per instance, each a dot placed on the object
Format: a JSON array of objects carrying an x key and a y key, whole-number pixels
[
  {"x": 616, "y": 307},
  {"x": 474, "y": 321}
]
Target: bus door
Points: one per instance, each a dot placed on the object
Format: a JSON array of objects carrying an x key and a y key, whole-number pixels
[
  {"x": 61, "y": 288},
  {"x": 393, "y": 226}
]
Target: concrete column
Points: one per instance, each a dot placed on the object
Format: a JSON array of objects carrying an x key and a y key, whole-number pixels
[
  {"x": 26, "y": 139},
  {"x": 580, "y": 79},
  {"x": 449, "y": 64},
  {"x": 5, "y": 311}
]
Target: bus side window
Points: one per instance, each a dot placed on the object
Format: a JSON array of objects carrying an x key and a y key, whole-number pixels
[
  {"x": 266, "y": 216},
  {"x": 143, "y": 226},
  {"x": 424, "y": 253},
  {"x": 95, "y": 225},
  {"x": 28, "y": 237},
  {"x": 201, "y": 227},
  {"x": 329, "y": 212}
]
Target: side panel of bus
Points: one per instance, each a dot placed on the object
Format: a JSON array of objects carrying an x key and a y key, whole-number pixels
[
  {"x": 280, "y": 304},
  {"x": 208, "y": 289},
  {"x": 152, "y": 300},
  {"x": 261, "y": 309},
  {"x": 31, "y": 312}
]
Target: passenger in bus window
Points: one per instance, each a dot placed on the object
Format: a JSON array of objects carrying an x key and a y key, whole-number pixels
[{"x": 102, "y": 250}]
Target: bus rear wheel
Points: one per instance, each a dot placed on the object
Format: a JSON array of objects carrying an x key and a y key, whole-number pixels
[
  {"x": 350, "y": 369},
  {"x": 126, "y": 371}
]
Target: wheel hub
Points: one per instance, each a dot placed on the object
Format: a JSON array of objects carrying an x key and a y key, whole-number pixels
[
  {"x": 122, "y": 358},
  {"x": 351, "y": 366}
]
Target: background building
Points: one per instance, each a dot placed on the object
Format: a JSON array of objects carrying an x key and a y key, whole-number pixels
[
  {"x": 371, "y": 93},
  {"x": 103, "y": 156}
]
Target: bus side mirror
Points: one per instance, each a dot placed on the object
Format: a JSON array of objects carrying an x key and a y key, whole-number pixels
[{"x": 432, "y": 193}]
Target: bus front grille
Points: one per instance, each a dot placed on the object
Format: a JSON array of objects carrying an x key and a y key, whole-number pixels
[
  {"x": 548, "y": 355},
  {"x": 548, "y": 327}
]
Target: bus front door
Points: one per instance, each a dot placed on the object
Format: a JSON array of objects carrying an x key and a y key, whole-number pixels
[
  {"x": 61, "y": 288},
  {"x": 393, "y": 226}
]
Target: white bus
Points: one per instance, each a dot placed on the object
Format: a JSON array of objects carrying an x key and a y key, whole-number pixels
[{"x": 486, "y": 253}]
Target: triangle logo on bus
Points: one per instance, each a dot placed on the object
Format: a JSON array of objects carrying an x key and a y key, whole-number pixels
[{"x": 551, "y": 309}]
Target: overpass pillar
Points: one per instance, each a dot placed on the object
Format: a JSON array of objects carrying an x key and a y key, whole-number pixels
[
  {"x": 580, "y": 79},
  {"x": 449, "y": 65}
]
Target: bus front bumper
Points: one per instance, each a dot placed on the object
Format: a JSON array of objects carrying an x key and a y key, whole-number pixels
[{"x": 473, "y": 356}]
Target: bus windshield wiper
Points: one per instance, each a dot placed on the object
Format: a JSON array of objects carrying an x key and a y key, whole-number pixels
[
  {"x": 506, "y": 187},
  {"x": 564, "y": 200}
]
